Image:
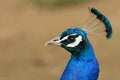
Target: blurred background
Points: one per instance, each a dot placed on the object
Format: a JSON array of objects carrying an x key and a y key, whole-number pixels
[{"x": 25, "y": 25}]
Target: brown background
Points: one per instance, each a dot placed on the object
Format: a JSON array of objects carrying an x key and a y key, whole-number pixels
[{"x": 25, "y": 28}]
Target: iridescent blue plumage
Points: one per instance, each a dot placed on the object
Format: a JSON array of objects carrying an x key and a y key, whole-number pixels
[
  {"x": 72, "y": 31},
  {"x": 104, "y": 19}
]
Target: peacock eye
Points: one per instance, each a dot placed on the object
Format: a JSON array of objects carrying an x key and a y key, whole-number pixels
[{"x": 71, "y": 39}]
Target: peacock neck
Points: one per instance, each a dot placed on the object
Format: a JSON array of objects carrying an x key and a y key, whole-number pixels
[
  {"x": 82, "y": 67},
  {"x": 84, "y": 54}
]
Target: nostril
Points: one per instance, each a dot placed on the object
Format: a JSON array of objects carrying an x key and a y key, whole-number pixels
[{"x": 55, "y": 39}]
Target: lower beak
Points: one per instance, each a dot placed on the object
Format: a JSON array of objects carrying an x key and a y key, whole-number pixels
[{"x": 54, "y": 41}]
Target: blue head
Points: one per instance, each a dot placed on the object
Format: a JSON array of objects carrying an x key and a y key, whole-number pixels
[{"x": 73, "y": 40}]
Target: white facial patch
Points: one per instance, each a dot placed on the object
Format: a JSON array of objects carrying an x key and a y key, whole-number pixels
[
  {"x": 77, "y": 41},
  {"x": 66, "y": 37}
]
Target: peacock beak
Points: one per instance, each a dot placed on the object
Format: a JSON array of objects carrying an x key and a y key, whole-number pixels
[{"x": 55, "y": 41}]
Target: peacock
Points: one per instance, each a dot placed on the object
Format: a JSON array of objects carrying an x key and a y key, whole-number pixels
[{"x": 83, "y": 64}]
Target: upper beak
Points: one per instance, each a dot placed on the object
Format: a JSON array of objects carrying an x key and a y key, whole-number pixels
[{"x": 54, "y": 41}]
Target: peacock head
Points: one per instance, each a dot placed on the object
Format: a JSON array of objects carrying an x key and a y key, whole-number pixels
[
  {"x": 75, "y": 39},
  {"x": 72, "y": 39}
]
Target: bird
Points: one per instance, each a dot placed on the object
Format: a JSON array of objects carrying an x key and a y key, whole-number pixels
[{"x": 83, "y": 64}]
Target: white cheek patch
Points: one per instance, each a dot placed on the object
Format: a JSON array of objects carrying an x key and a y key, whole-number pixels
[{"x": 77, "y": 41}]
